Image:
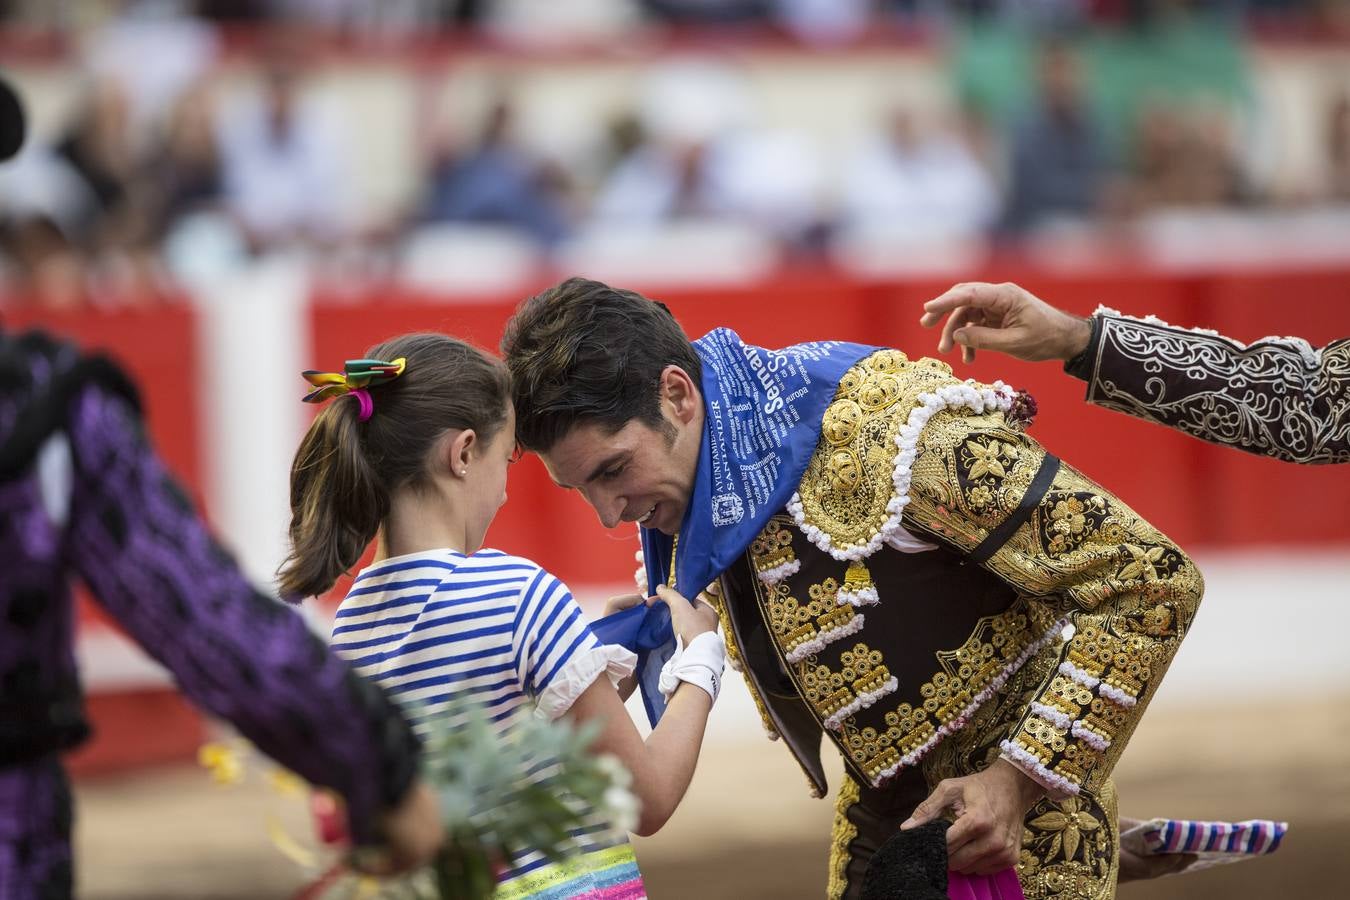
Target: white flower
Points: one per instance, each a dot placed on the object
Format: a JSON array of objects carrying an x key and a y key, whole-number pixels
[
  {"x": 613, "y": 768},
  {"x": 621, "y": 808}
]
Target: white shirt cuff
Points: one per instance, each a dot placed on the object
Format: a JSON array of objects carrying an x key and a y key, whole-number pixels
[{"x": 580, "y": 673}]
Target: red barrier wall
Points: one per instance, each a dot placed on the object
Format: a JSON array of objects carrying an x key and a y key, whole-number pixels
[{"x": 1197, "y": 493}]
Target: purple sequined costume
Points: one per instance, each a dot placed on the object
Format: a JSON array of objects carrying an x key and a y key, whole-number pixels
[{"x": 83, "y": 495}]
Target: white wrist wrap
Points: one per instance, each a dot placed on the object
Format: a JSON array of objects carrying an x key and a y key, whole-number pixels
[{"x": 701, "y": 664}]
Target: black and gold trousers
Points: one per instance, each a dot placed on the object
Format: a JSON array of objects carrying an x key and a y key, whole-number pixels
[{"x": 1070, "y": 849}]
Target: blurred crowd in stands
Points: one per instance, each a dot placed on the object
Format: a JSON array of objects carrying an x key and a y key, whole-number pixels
[{"x": 1067, "y": 113}]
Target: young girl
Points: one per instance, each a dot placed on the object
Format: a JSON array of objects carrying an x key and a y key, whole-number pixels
[{"x": 418, "y": 448}]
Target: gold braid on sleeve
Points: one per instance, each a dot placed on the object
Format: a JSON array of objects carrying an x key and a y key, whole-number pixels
[{"x": 1127, "y": 592}]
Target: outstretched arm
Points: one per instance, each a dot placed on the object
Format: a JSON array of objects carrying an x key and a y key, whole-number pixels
[
  {"x": 142, "y": 549},
  {"x": 663, "y": 765},
  {"x": 1276, "y": 397}
]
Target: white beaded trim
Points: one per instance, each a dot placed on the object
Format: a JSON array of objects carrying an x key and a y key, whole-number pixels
[
  {"x": 968, "y": 396},
  {"x": 818, "y": 643},
  {"x": 777, "y": 573},
  {"x": 1036, "y": 770},
  {"x": 864, "y": 597},
  {"x": 918, "y": 753},
  {"x": 1117, "y": 695},
  {"x": 1078, "y": 675},
  {"x": 1312, "y": 356},
  {"x": 862, "y": 701},
  {"x": 1056, "y": 717},
  {"x": 1089, "y": 737}
]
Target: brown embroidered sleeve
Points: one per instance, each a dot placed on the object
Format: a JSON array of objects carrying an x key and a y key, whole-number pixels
[
  {"x": 1277, "y": 397},
  {"x": 1124, "y": 592}
]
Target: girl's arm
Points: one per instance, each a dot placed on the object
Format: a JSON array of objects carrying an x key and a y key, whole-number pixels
[{"x": 663, "y": 765}]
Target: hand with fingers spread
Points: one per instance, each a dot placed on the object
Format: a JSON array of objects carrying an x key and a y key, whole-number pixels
[
  {"x": 989, "y": 807},
  {"x": 1006, "y": 318}
]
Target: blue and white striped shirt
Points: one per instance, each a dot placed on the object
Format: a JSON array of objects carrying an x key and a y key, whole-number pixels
[
  {"x": 440, "y": 625},
  {"x": 489, "y": 627}
]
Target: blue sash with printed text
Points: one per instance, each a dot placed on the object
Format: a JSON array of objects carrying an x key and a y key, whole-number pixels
[{"x": 762, "y": 412}]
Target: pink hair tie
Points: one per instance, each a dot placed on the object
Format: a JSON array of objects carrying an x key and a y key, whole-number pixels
[{"x": 367, "y": 405}]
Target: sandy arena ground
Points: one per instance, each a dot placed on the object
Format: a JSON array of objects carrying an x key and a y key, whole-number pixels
[
  {"x": 1252, "y": 721},
  {"x": 749, "y": 830}
]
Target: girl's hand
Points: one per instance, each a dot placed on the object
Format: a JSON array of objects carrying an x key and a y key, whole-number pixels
[
  {"x": 413, "y": 834},
  {"x": 622, "y": 602},
  {"x": 688, "y": 619}
]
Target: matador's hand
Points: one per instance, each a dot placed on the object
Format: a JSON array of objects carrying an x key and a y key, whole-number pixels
[
  {"x": 1007, "y": 318},
  {"x": 989, "y": 807}
]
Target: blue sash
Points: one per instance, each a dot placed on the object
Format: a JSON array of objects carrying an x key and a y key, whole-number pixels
[{"x": 762, "y": 421}]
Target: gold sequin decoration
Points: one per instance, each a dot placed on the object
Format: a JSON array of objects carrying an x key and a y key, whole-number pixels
[
  {"x": 995, "y": 642},
  {"x": 849, "y": 482},
  {"x": 828, "y": 691},
  {"x": 772, "y": 547},
  {"x": 842, "y": 834}
]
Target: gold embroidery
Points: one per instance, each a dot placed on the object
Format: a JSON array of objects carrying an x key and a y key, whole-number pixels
[
  {"x": 841, "y": 835},
  {"x": 1069, "y": 849},
  {"x": 1129, "y": 592},
  {"x": 1089, "y": 871},
  {"x": 994, "y": 644},
  {"x": 848, "y": 484},
  {"x": 858, "y": 580},
  {"x": 738, "y": 662},
  {"x": 828, "y": 691},
  {"x": 772, "y": 549},
  {"x": 798, "y": 627}
]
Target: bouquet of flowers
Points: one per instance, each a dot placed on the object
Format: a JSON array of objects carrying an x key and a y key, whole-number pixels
[{"x": 500, "y": 794}]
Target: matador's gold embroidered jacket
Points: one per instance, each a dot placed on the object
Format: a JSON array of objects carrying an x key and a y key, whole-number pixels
[{"x": 931, "y": 552}]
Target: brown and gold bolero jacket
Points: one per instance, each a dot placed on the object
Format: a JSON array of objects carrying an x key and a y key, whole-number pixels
[{"x": 931, "y": 552}]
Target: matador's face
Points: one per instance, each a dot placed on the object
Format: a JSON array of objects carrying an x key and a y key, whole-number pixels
[{"x": 639, "y": 473}]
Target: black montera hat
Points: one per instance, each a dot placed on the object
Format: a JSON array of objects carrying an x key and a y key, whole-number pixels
[{"x": 11, "y": 121}]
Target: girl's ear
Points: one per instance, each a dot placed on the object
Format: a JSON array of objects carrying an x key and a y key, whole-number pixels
[{"x": 457, "y": 450}]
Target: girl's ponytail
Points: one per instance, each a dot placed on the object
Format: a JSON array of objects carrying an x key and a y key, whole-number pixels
[
  {"x": 337, "y": 504},
  {"x": 364, "y": 447}
]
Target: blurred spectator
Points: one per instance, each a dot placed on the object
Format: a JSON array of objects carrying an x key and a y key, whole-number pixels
[
  {"x": 655, "y": 183},
  {"x": 698, "y": 157},
  {"x": 1183, "y": 156},
  {"x": 1036, "y": 13},
  {"x": 184, "y": 172},
  {"x": 1336, "y": 179},
  {"x": 824, "y": 21},
  {"x": 284, "y": 166},
  {"x": 711, "y": 11},
  {"x": 769, "y": 180},
  {"x": 918, "y": 180},
  {"x": 75, "y": 213},
  {"x": 1058, "y": 165},
  {"x": 498, "y": 183},
  {"x": 156, "y": 49},
  {"x": 98, "y": 149}
]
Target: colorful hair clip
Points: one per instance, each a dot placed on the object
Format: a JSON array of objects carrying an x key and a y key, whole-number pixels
[{"x": 355, "y": 378}]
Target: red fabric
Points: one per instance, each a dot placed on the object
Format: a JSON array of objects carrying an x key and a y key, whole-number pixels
[{"x": 1000, "y": 886}]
